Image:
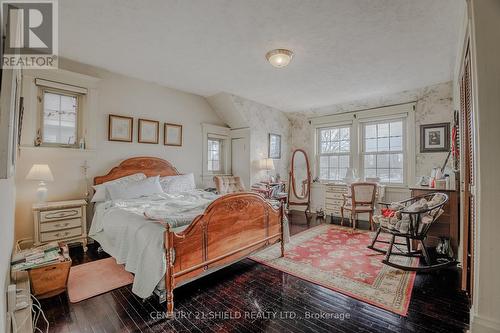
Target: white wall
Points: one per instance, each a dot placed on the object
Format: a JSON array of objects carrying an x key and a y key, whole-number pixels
[
  {"x": 7, "y": 195},
  {"x": 121, "y": 95},
  {"x": 486, "y": 83}
]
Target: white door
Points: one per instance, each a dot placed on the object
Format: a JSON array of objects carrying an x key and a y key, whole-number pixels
[{"x": 240, "y": 159}]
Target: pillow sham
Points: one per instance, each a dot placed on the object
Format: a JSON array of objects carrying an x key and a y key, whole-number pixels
[
  {"x": 134, "y": 189},
  {"x": 101, "y": 194},
  {"x": 176, "y": 184}
]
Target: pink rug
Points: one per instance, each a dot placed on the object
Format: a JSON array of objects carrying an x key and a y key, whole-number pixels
[
  {"x": 336, "y": 258},
  {"x": 95, "y": 278}
]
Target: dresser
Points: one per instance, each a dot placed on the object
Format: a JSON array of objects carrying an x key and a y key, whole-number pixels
[
  {"x": 447, "y": 225},
  {"x": 60, "y": 221}
]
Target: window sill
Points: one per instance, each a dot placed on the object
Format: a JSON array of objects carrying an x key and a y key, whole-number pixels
[{"x": 61, "y": 149}]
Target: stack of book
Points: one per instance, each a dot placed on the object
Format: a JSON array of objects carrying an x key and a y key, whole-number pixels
[{"x": 39, "y": 256}]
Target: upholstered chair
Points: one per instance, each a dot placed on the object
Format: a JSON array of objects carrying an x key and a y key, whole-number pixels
[
  {"x": 228, "y": 184},
  {"x": 361, "y": 199}
]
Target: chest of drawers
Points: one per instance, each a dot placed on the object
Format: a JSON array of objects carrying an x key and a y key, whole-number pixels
[{"x": 60, "y": 221}]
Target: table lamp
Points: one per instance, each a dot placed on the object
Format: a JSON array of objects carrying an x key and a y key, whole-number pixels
[
  {"x": 268, "y": 165},
  {"x": 42, "y": 173}
]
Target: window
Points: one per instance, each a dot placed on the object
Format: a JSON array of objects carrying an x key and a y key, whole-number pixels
[
  {"x": 383, "y": 155},
  {"x": 214, "y": 155},
  {"x": 59, "y": 117},
  {"x": 334, "y": 147}
]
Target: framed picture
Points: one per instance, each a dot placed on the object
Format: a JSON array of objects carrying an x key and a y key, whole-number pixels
[
  {"x": 149, "y": 131},
  {"x": 435, "y": 138},
  {"x": 274, "y": 149},
  {"x": 172, "y": 135},
  {"x": 120, "y": 128}
]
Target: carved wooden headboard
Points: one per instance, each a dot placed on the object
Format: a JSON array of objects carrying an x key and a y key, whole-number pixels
[{"x": 150, "y": 166}]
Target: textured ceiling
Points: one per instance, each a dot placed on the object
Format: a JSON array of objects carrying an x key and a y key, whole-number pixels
[{"x": 344, "y": 49}]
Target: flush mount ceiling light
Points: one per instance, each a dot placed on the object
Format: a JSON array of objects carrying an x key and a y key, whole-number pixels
[{"x": 279, "y": 58}]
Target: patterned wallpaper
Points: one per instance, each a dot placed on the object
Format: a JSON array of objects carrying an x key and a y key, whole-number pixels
[
  {"x": 434, "y": 104},
  {"x": 262, "y": 120}
]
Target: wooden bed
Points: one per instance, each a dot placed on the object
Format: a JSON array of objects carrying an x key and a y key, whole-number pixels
[{"x": 231, "y": 228}]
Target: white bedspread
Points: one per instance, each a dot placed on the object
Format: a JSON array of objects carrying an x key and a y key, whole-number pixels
[{"x": 124, "y": 233}]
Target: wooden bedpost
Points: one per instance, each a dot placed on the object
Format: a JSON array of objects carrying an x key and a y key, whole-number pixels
[
  {"x": 169, "y": 274},
  {"x": 282, "y": 224}
]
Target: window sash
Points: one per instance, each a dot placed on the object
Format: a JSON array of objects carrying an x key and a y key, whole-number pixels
[
  {"x": 42, "y": 110},
  {"x": 377, "y": 171},
  {"x": 335, "y": 172},
  {"x": 214, "y": 165}
]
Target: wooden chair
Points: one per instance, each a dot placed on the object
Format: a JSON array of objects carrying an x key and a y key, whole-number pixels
[
  {"x": 361, "y": 199},
  {"x": 228, "y": 184}
]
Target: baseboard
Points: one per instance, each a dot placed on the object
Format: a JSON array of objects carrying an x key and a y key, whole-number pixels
[{"x": 481, "y": 324}]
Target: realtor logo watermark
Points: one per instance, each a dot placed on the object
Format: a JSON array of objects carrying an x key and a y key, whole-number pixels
[{"x": 30, "y": 34}]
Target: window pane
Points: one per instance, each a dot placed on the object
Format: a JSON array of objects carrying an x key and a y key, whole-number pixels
[
  {"x": 382, "y": 144},
  {"x": 382, "y": 161},
  {"x": 370, "y": 131},
  {"x": 334, "y": 161},
  {"x": 396, "y": 175},
  {"x": 342, "y": 173},
  {"x": 333, "y": 174},
  {"x": 397, "y": 161},
  {"x": 370, "y": 161},
  {"x": 383, "y": 174},
  {"x": 344, "y": 133},
  {"x": 323, "y": 173},
  {"x": 383, "y": 130},
  {"x": 344, "y": 146},
  {"x": 371, "y": 145},
  {"x": 335, "y": 134},
  {"x": 335, "y": 146},
  {"x": 396, "y": 128},
  {"x": 59, "y": 118},
  {"x": 372, "y": 173},
  {"x": 344, "y": 161},
  {"x": 396, "y": 143},
  {"x": 323, "y": 162}
]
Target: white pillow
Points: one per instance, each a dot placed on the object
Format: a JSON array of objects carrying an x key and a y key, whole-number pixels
[
  {"x": 135, "y": 189},
  {"x": 176, "y": 184},
  {"x": 100, "y": 190}
]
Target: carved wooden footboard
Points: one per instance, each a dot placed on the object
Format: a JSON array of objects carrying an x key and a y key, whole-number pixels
[{"x": 231, "y": 228}]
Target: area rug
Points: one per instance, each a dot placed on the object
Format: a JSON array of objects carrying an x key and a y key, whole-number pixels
[
  {"x": 337, "y": 258},
  {"x": 95, "y": 278}
]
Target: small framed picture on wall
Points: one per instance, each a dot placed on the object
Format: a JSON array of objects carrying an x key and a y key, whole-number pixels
[
  {"x": 149, "y": 131},
  {"x": 120, "y": 128},
  {"x": 435, "y": 138},
  {"x": 274, "y": 149},
  {"x": 172, "y": 135}
]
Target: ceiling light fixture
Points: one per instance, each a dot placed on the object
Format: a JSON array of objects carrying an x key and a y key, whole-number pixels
[{"x": 279, "y": 58}]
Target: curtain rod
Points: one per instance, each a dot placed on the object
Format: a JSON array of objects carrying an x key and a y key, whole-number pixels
[{"x": 361, "y": 110}]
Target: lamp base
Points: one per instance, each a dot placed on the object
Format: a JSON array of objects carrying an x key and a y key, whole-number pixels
[{"x": 41, "y": 192}]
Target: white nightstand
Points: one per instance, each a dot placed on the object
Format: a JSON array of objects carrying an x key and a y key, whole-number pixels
[{"x": 60, "y": 221}]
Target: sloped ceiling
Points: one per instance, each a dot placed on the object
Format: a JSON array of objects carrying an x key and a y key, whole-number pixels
[{"x": 344, "y": 49}]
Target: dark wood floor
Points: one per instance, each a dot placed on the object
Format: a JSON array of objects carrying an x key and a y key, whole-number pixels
[{"x": 249, "y": 297}]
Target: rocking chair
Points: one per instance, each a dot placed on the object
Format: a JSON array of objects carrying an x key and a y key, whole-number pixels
[{"x": 413, "y": 219}]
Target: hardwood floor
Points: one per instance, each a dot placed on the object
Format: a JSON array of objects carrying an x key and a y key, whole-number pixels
[{"x": 249, "y": 297}]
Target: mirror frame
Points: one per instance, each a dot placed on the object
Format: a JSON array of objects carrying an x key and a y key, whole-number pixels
[{"x": 291, "y": 182}]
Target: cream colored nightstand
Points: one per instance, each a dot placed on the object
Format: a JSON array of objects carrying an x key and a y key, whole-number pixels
[{"x": 60, "y": 221}]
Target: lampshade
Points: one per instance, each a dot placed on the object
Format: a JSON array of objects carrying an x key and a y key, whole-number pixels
[
  {"x": 267, "y": 164},
  {"x": 279, "y": 58},
  {"x": 40, "y": 172}
]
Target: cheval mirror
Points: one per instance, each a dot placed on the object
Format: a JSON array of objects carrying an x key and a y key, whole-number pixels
[{"x": 299, "y": 181}]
